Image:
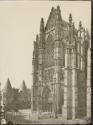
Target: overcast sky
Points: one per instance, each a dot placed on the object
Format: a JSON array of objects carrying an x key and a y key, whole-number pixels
[{"x": 19, "y": 24}]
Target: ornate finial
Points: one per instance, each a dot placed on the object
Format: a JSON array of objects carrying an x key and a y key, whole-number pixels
[
  {"x": 70, "y": 18},
  {"x": 80, "y": 24},
  {"x": 58, "y": 8},
  {"x": 58, "y": 13},
  {"x": 42, "y": 25}
]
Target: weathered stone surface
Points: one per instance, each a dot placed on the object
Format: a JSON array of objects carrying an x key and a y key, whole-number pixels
[{"x": 60, "y": 63}]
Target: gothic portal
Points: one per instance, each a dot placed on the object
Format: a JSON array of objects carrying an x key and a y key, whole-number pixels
[{"x": 60, "y": 67}]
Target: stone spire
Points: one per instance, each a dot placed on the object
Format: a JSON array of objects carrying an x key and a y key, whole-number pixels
[
  {"x": 7, "y": 87},
  {"x": 42, "y": 25},
  {"x": 42, "y": 34},
  {"x": 52, "y": 9},
  {"x": 71, "y": 28}
]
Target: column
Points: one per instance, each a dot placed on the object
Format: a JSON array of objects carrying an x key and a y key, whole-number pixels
[
  {"x": 64, "y": 108},
  {"x": 89, "y": 84},
  {"x": 74, "y": 86}
]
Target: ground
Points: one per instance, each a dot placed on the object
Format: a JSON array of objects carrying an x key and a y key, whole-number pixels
[{"x": 26, "y": 117}]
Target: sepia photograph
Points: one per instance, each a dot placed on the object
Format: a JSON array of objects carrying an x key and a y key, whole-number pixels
[{"x": 45, "y": 62}]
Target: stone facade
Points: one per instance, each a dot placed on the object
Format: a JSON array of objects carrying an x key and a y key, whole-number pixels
[{"x": 60, "y": 68}]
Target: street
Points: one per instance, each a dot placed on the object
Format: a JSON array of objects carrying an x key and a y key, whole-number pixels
[{"x": 26, "y": 117}]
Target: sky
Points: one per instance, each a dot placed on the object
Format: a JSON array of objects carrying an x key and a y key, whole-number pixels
[{"x": 19, "y": 24}]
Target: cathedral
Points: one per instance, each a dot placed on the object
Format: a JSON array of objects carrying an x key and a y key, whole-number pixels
[{"x": 61, "y": 84}]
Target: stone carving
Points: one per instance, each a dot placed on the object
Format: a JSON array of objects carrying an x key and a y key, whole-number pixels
[{"x": 60, "y": 66}]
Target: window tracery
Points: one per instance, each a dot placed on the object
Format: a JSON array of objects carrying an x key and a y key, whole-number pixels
[{"x": 49, "y": 52}]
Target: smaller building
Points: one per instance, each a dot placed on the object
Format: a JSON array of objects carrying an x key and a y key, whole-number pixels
[{"x": 21, "y": 96}]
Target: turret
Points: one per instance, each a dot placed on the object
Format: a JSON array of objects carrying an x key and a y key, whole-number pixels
[
  {"x": 42, "y": 34},
  {"x": 81, "y": 45},
  {"x": 70, "y": 18},
  {"x": 35, "y": 52},
  {"x": 81, "y": 31},
  {"x": 34, "y": 72},
  {"x": 71, "y": 29},
  {"x": 59, "y": 18},
  {"x": 42, "y": 26},
  {"x": 52, "y": 9}
]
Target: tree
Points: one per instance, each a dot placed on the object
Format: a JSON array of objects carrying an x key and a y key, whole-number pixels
[{"x": 15, "y": 103}]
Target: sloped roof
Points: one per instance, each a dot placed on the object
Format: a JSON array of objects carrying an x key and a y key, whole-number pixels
[
  {"x": 7, "y": 87},
  {"x": 23, "y": 86}
]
